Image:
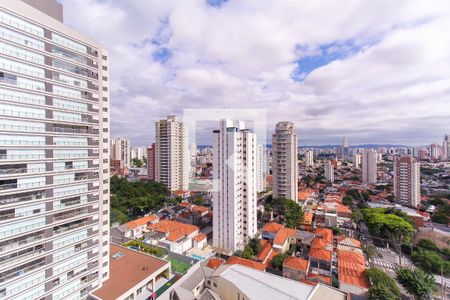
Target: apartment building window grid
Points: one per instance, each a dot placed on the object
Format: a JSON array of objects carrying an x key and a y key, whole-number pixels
[{"x": 28, "y": 90}]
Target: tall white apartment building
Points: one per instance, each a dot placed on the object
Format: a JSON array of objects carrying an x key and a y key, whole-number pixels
[
  {"x": 369, "y": 166},
  {"x": 309, "y": 158},
  {"x": 172, "y": 154},
  {"x": 357, "y": 160},
  {"x": 234, "y": 185},
  {"x": 121, "y": 150},
  {"x": 54, "y": 156},
  {"x": 329, "y": 171},
  {"x": 407, "y": 181},
  {"x": 284, "y": 162},
  {"x": 435, "y": 151},
  {"x": 260, "y": 169}
]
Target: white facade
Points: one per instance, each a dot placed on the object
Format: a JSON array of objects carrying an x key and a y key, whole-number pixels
[
  {"x": 120, "y": 150},
  {"x": 172, "y": 160},
  {"x": 260, "y": 169},
  {"x": 357, "y": 160},
  {"x": 329, "y": 171},
  {"x": 138, "y": 152},
  {"x": 54, "y": 156},
  {"x": 284, "y": 162},
  {"x": 407, "y": 181},
  {"x": 234, "y": 185},
  {"x": 369, "y": 166},
  {"x": 309, "y": 158},
  {"x": 435, "y": 151}
]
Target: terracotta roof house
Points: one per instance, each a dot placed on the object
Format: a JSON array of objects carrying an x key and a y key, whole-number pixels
[
  {"x": 133, "y": 229},
  {"x": 284, "y": 238},
  {"x": 214, "y": 263},
  {"x": 175, "y": 236},
  {"x": 351, "y": 272},
  {"x": 320, "y": 257},
  {"x": 349, "y": 244},
  {"x": 265, "y": 253},
  {"x": 233, "y": 260},
  {"x": 295, "y": 268},
  {"x": 325, "y": 233},
  {"x": 270, "y": 229}
]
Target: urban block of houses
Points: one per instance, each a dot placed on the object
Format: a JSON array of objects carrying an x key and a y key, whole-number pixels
[{"x": 351, "y": 272}]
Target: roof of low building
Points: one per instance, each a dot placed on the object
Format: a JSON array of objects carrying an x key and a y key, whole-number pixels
[
  {"x": 127, "y": 269},
  {"x": 175, "y": 230},
  {"x": 214, "y": 263},
  {"x": 266, "y": 248},
  {"x": 321, "y": 254},
  {"x": 283, "y": 234},
  {"x": 199, "y": 237},
  {"x": 295, "y": 263},
  {"x": 326, "y": 234},
  {"x": 348, "y": 241},
  {"x": 141, "y": 221},
  {"x": 233, "y": 260},
  {"x": 354, "y": 257},
  {"x": 272, "y": 227}
]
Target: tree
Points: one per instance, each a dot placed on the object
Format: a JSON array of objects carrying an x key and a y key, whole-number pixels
[
  {"x": 137, "y": 162},
  {"x": 383, "y": 223},
  {"x": 357, "y": 215},
  {"x": 247, "y": 253},
  {"x": 431, "y": 262},
  {"x": 255, "y": 245},
  {"x": 370, "y": 251},
  {"x": 382, "y": 286},
  {"x": 348, "y": 201},
  {"x": 416, "y": 282},
  {"x": 292, "y": 213},
  {"x": 428, "y": 245},
  {"x": 277, "y": 261}
]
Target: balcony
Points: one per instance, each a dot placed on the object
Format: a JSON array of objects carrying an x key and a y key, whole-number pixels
[
  {"x": 70, "y": 226},
  {"x": 69, "y": 214},
  {"x": 21, "y": 255},
  {"x": 21, "y": 270},
  {"x": 22, "y": 197}
]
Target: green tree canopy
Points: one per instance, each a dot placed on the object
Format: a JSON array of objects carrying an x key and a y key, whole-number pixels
[
  {"x": 416, "y": 282},
  {"x": 277, "y": 261},
  {"x": 382, "y": 286}
]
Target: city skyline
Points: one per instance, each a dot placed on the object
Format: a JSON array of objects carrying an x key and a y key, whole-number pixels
[{"x": 383, "y": 74}]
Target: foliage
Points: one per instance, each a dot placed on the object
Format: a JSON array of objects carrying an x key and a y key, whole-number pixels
[
  {"x": 131, "y": 200},
  {"x": 384, "y": 223},
  {"x": 348, "y": 201},
  {"x": 199, "y": 200},
  {"x": 292, "y": 212},
  {"x": 277, "y": 261},
  {"x": 149, "y": 249},
  {"x": 336, "y": 230},
  {"x": 370, "y": 251},
  {"x": 137, "y": 162},
  {"x": 416, "y": 282},
  {"x": 352, "y": 193},
  {"x": 431, "y": 261},
  {"x": 247, "y": 253},
  {"x": 442, "y": 212},
  {"x": 252, "y": 248},
  {"x": 382, "y": 286},
  {"x": 427, "y": 244},
  {"x": 292, "y": 249},
  {"x": 357, "y": 215}
]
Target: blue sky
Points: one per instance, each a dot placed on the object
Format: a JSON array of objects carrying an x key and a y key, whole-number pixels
[{"x": 376, "y": 72}]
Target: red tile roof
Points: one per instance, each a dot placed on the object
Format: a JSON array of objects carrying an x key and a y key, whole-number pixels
[
  {"x": 175, "y": 230},
  {"x": 320, "y": 278},
  {"x": 199, "y": 209},
  {"x": 265, "y": 251},
  {"x": 295, "y": 263},
  {"x": 283, "y": 234},
  {"x": 271, "y": 227},
  {"x": 142, "y": 221},
  {"x": 199, "y": 237},
  {"x": 326, "y": 234},
  {"x": 214, "y": 263},
  {"x": 236, "y": 260},
  {"x": 348, "y": 241},
  {"x": 319, "y": 243},
  {"x": 185, "y": 204},
  {"x": 307, "y": 218},
  {"x": 320, "y": 254},
  {"x": 354, "y": 257}
]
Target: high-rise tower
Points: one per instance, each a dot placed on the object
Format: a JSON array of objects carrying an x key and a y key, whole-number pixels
[{"x": 54, "y": 155}]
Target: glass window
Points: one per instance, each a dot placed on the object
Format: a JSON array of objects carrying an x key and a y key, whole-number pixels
[
  {"x": 62, "y": 65},
  {"x": 70, "y": 80},
  {"x": 21, "y": 24},
  {"x": 21, "y": 39},
  {"x": 21, "y": 111},
  {"x": 22, "y": 97},
  {"x": 14, "y": 66},
  {"x": 70, "y": 117},
  {"x": 21, "y": 140},
  {"x": 69, "y": 92},
  {"x": 70, "y": 153},
  {"x": 7, "y": 230},
  {"x": 22, "y": 126},
  {"x": 69, "y": 55},
  {"x": 66, "y": 104},
  {"x": 68, "y": 43},
  {"x": 21, "y": 82},
  {"x": 13, "y": 154},
  {"x": 21, "y": 53},
  {"x": 67, "y": 141}
]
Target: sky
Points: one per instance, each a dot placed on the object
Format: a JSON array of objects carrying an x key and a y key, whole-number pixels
[{"x": 373, "y": 71}]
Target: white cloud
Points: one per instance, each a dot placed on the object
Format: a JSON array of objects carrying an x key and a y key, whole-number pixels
[{"x": 393, "y": 89}]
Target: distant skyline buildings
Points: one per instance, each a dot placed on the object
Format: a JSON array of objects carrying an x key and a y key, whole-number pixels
[
  {"x": 329, "y": 171},
  {"x": 121, "y": 150}
]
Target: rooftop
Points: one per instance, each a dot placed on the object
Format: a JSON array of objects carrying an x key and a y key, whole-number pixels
[
  {"x": 175, "y": 230},
  {"x": 141, "y": 221},
  {"x": 321, "y": 254},
  {"x": 236, "y": 260},
  {"x": 127, "y": 268},
  {"x": 283, "y": 234},
  {"x": 295, "y": 263},
  {"x": 271, "y": 227},
  {"x": 326, "y": 234},
  {"x": 214, "y": 263}
]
